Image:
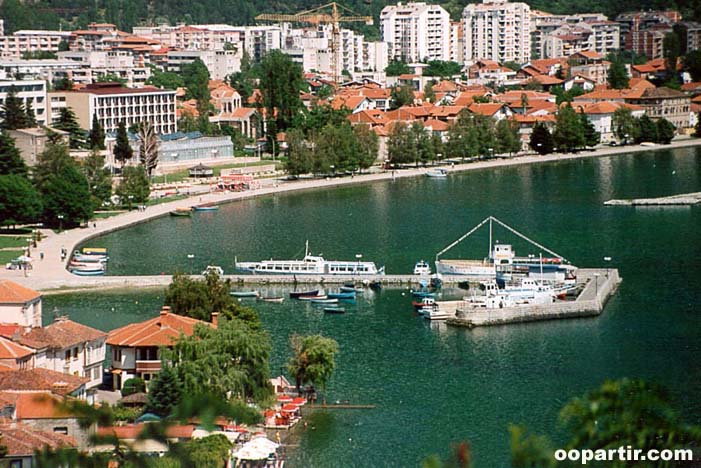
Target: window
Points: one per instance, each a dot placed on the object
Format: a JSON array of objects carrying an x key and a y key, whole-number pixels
[
  {"x": 68, "y": 354},
  {"x": 61, "y": 430},
  {"x": 75, "y": 353}
]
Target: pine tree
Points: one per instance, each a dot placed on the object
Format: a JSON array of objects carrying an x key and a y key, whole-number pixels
[
  {"x": 31, "y": 116},
  {"x": 541, "y": 139},
  {"x": 591, "y": 136},
  {"x": 13, "y": 113},
  {"x": 11, "y": 161},
  {"x": 648, "y": 129},
  {"x": 122, "y": 149},
  {"x": 569, "y": 133},
  {"x": 97, "y": 134},
  {"x": 68, "y": 122},
  {"x": 165, "y": 393},
  {"x": 617, "y": 75},
  {"x": 508, "y": 139}
]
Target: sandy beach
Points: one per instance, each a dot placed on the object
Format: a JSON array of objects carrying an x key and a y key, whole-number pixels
[{"x": 50, "y": 273}]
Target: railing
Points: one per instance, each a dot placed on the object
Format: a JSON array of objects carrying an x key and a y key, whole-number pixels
[{"x": 148, "y": 366}]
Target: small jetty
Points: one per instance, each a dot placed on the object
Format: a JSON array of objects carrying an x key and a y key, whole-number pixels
[{"x": 683, "y": 199}]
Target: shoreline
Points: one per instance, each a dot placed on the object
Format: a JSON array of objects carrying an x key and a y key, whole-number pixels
[{"x": 51, "y": 275}]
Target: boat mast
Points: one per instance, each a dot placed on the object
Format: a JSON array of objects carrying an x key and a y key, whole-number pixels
[
  {"x": 306, "y": 248},
  {"x": 489, "y": 253}
]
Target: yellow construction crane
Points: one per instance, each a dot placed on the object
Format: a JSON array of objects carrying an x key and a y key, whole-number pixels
[{"x": 331, "y": 13}]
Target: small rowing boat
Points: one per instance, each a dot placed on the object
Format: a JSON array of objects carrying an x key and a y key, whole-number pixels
[
  {"x": 437, "y": 173},
  {"x": 423, "y": 294},
  {"x": 206, "y": 207},
  {"x": 342, "y": 295},
  {"x": 244, "y": 293},
  {"x": 181, "y": 212},
  {"x": 334, "y": 310},
  {"x": 355, "y": 289},
  {"x": 300, "y": 294},
  {"x": 324, "y": 301},
  {"x": 311, "y": 298},
  {"x": 276, "y": 299}
]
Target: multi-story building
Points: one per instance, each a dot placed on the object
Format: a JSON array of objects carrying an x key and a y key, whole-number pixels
[
  {"x": 136, "y": 348},
  {"x": 648, "y": 42},
  {"x": 416, "y": 31},
  {"x": 497, "y": 30},
  {"x": 31, "y": 92},
  {"x": 692, "y": 35},
  {"x": 95, "y": 64},
  {"x": 633, "y": 23},
  {"x": 664, "y": 102},
  {"x": 220, "y": 63},
  {"x": 114, "y": 104},
  {"x": 457, "y": 42},
  {"x": 19, "y": 305},
  {"x": 31, "y": 142},
  {"x": 197, "y": 37},
  {"x": 597, "y": 36},
  {"x": 31, "y": 41}
]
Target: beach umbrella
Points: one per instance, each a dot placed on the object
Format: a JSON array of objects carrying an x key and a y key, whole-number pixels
[
  {"x": 25, "y": 259},
  {"x": 263, "y": 443},
  {"x": 284, "y": 398},
  {"x": 290, "y": 408},
  {"x": 299, "y": 401},
  {"x": 251, "y": 453}
]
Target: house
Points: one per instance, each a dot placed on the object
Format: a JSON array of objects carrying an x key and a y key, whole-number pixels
[
  {"x": 664, "y": 102},
  {"x": 587, "y": 84},
  {"x": 42, "y": 380},
  {"x": 495, "y": 110},
  {"x": 15, "y": 356},
  {"x": 352, "y": 103},
  {"x": 68, "y": 347},
  {"x": 600, "y": 114},
  {"x": 31, "y": 142},
  {"x": 23, "y": 441},
  {"x": 19, "y": 305},
  {"x": 136, "y": 348}
]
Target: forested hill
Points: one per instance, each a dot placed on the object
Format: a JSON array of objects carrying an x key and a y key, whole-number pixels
[{"x": 73, "y": 14}]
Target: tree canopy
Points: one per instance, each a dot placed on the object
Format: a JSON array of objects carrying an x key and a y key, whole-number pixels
[
  {"x": 397, "y": 67},
  {"x": 12, "y": 112},
  {"x": 281, "y": 80},
  {"x": 134, "y": 186},
  {"x": 541, "y": 139},
  {"x": 68, "y": 122},
  {"x": 99, "y": 179},
  {"x": 313, "y": 359},
  {"x": 19, "y": 200},
  {"x": 122, "y": 150},
  {"x": 11, "y": 161}
]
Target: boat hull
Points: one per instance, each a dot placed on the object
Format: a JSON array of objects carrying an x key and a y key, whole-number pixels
[
  {"x": 296, "y": 295},
  {"x": 244, "y": 293}
]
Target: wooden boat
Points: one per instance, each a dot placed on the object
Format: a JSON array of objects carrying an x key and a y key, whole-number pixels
[
  {"x": 342, "y": 295},
  {"x": 423, "y": 294},
  {"x": 244, "y": 293},
  {"x": 311, "y": 298},
  {"x": 356, "y": 289},
  {"x": 334, "y": 310},
  {"x": 88, "y": 272},
  {"x": 276, "y": 299},
  {"x": 98, "y": 251},
  {"x": 181, "y": 212},
  {"x": 324, "y": 301},
  {"x": 299, "y": 294},
  {"x": 206, "y": 207}
]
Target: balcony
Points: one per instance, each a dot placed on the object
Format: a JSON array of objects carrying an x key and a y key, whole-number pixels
[{"x": 148, "y": 366}]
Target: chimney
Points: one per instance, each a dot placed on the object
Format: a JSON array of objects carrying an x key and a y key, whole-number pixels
[
  {"x": 165, "y": 310},
  {"x": 215, "y": 319}
]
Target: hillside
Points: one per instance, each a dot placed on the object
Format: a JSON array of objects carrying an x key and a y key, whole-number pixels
[{"x": 71, "y": 14}]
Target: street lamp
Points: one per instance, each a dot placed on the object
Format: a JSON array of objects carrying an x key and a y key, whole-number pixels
[
  {"x": 333, "y": 170},
  {"x": 539, "y": 145},
  {"x": 130, "y": 197},
  {"x": 357, "y": 268},
  {"x": 60, "y": 222},
  {"x": 596, "y": 284},
  {"x": 608, "y": 263},
  {"x": 191, "y": 257}
]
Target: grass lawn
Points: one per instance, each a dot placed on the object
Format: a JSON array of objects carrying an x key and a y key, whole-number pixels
[
  {"x": 13, "y": 241},
  {"x": 158, "y": 201},
  {"x": 106, "y": 214},
  {"x": 17, "y": 231},
  {"x": 7, "y": 255}
]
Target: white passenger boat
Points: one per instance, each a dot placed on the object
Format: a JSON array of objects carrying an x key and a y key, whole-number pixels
[
  {"x": 437, "y": 173},
  {"x": 310, "y": 265},
  {"x": 422, "y": 268}
]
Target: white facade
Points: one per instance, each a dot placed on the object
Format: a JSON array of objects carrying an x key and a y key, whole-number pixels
[
  {"x": 82, "y": 360},
  {"x": 497, "y": 30},
  {"x": 197, "y": 37},
  {"x": 220, "y": 63},
  {"x": 31, "y": 92},
  {"x": 27, "y": 315},
  {"x": 31, "y": 41},
  {"x": 601, "y": 36},
  {"x": 416, "y": 31}
]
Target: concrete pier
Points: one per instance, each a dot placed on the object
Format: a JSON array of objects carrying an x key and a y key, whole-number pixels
[
  {"x": 600, "y": 284},
  {"x": 673, "y": 200}
]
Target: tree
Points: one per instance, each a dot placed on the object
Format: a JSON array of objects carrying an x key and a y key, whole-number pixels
[
  {"x": 591, "y": 136},
  {"x": 444, "y": 69},
  {"x": 13, "y": 113},
  {"x": 672, "y": 50},
  {"x": 617, "y": 75},
  {"x": 692, "y": 64},
  {"x": 568, "y": 134},
  {"x": 196, "y": 78},
  {"x": 507, "y": 138},
  {"x": 429, "y": 95},
  {"x": 31, "y": 116},
  {"x": 111, "y": 78},
  {"x": 68, "y": 122},
  {"x": 63, "y": 187},
  {"x": 96, "y": 138},
  {"x": 625, "y": 126},
  {"x": 122, "y": 150},
  {"x": 541, "y": 139},
  {"x": 165, "y": 80},
  {"x": 133, "y": 385},
  {"x": 368, "y": 146},
  {"x": 19, "y": 200},
  {"x": 63, "y": 84},
  {"x": 299, "y": 153},
  {"x": 336, "y": 146},
  {"x": 99, "y": 179},
  {"x": 209, "y": 452},
  {"x": 231, "y": 359},
  {"x": 164, "y": 392},
  {"x": 313, "y": 360},
  {"x": 149, "y": 145},
  {"x": 402, "y": 146},
  {"x": 396, "y": 68},
  {"x": 515, "y": 66},
  {"x": 402, "y": 96},
  {"x": 665, "y": 131},
  {"x": 648, "y": 129},
  {"x": 697, "y": 129},
  {"x": 134, "y": 187},
  {"x": 200, "y": 298},
  {"x": 11, "y": 161},
  {"x": 281, "y": 81}
]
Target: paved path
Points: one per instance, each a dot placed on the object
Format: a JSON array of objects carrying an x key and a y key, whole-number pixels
[{"x": 51, "y": 272}]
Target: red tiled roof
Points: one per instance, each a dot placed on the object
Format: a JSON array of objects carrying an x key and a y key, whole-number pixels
[
  {"x": 23, "y": 440},
  {"x": 11, "y": 350},
  {"x": 39, "y": 405},
  {"x": 9, "y": 330},
  {"x": 436, "y": 125},
  {"x": 370, "y": 116},
  {"x": 62, "y": 333},
  {"x": 13, "y": 293},
  {"x": 39, "y": 379},
  {"x": 162, "y": 330},
  {"x": 445, "y": 111},
  {"x": 350, "y": 102},
  {"x": 694, "y": 86},
  {"x": 487, "y": 109},
  {"x": 132, "y": 431},
  {"x": 547, "y": 80}
]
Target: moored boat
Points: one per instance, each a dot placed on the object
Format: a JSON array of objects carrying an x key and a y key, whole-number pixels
[
  {"x": 299, "y": 294},
  {"x": 312, "y": 298},
  {"x": 334, "y": 310},
  {"x": 437, "y": 173},
  {"x": 181, "y": 212},
  {"x": 349, "y": 288},
  {"x": 85, "y": 258},
  {"x": 206, "y": 207},
  {"x": 276, "y": 299},
  {"x": 88, "y": 272},
  {"x": 326, "y": 300},
  {"x": 423, "y": 294},
  {"x": 243, "y": 294},
  {"x": 341, "y": 295},
  {"x": 422, "y": 268}
]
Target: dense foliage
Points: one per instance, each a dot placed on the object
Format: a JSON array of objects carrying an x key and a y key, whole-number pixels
[
  {"x": 312, "y": 360},
  {"x": 134, "y": 186}
]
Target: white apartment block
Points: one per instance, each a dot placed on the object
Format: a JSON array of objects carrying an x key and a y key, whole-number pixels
[
  {"x": 31, "y": 41},
  {"x": 196, "y": 37},
  {"x": 114, "y": 104},
  {"x": 220, "y": 63},
  {"x": 497, "y": 30},
  {"x": 31, "y": 92},
  {"x": 94, "y": 64},
  {"x": 416, "y": 31},
  {"x": 600, "y": 36},
  {"x": 457, "y": 42}
]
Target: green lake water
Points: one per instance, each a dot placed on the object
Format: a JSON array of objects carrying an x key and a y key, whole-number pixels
[{"x": 432, "y": 384}]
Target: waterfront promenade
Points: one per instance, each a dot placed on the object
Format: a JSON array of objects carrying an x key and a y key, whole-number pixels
[{"x": 50, "y": 273}]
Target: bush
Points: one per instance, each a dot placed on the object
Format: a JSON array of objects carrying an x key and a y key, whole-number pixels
[{"x": 135, "y": 385}]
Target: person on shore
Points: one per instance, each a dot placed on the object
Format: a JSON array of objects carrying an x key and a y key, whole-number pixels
[{"x": 41, "y": 255}]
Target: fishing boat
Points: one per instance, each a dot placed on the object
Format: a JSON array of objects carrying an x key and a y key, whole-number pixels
[
  {"x": 275, "y": 299},
  {"x": 82, "y": 258},
  {"x": 349, "y": 288},
  {"x": 422, "y": 268},
  {"x": 181, "y": 212},
  {"x": 242, "y": 294},
  {"x": 341, "y": 295},
  {"x": 437, "y": 173},
  {"x": 88, "y": 272},
  {"x": 334, "y": 310},
  {"x": 310, "y": 265},
  {"x": 423, "y": 294},
  {"x": 95, "y": 251},
  {"x": 326, "y": 300},
  {"x": 436, "y": 313},
  {"x": 206, "y": 207},
  {"x": 299, "y": 294},
  {"x": 312, "y": 298},
  {"x": 425, "y": 302},
  {"x": 502, "y": 261}
]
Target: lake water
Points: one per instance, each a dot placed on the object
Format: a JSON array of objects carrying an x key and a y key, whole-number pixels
[{"x": 433, "y": 384}]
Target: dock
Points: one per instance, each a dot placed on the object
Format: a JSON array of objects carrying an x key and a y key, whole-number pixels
[
  {"x": 599, "y": 285},
  {"x": 683, "y": 199}
]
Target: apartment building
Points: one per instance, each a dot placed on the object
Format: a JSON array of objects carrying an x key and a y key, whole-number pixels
[
  {"x": 497, "y": 30},
  {"x": 416, "y": 31},
  {"x": 88, "y": 66},
  {"x": 457, "y": 42},
  {"x": 692, "y": 35},
  {"x": 220, "y": 63},
  {"x": 196, "y": 37},
  {"x": 599, "y": 36},
  {"x": 114, "y": 104},
  {"x": 634, "y": 24},
  {"x": 32, "y": 92},
  {"x": 31, "y": 41}
]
